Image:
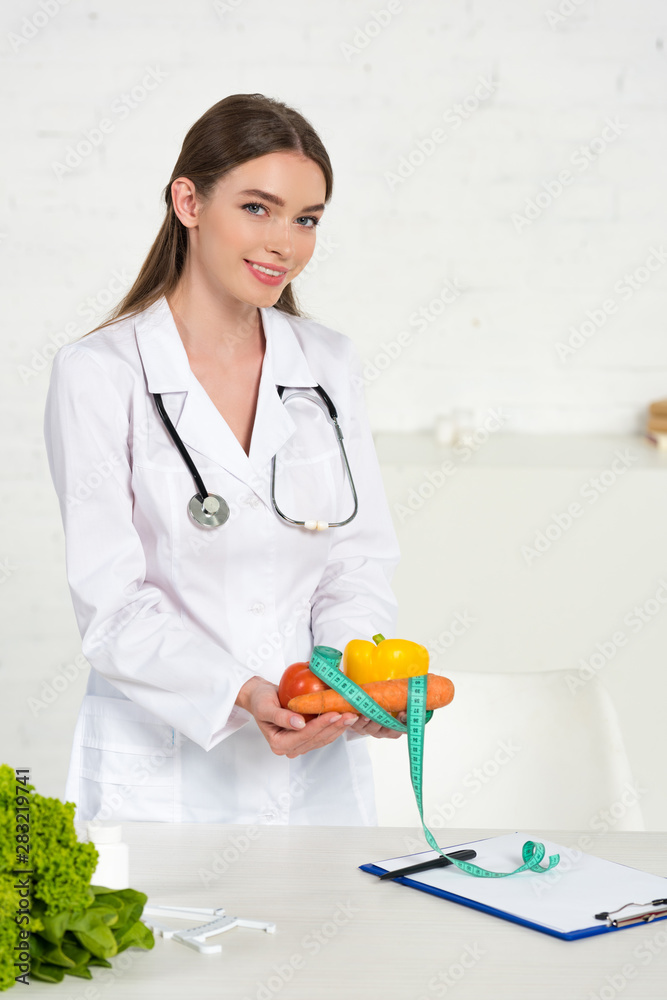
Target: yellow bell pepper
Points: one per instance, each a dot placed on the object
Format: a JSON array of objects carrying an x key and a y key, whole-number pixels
[{"x": 364, "y": 662}]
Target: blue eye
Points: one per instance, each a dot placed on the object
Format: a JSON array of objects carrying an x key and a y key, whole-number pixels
[{"x": 255, "y": 204}]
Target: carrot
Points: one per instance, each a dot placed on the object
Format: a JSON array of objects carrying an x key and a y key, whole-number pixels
[{"x": 391, "y": 695}]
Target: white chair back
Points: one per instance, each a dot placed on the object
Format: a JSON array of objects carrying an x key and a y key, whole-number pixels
[{"x": 519, "y": 751}]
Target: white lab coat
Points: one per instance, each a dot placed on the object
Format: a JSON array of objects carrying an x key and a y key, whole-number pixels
[{"x": 175, "y": 617}]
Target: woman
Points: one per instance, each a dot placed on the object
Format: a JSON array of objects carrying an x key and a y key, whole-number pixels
[{"x": 188, "y": 628}]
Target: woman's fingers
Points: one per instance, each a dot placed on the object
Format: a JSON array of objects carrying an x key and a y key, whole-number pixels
[
  {"x": 332, "y": 728},
  {"x": 290, "y": 735},
  {"x": 287, "y": 732},
  {"x": 390, "y": 734},
  {"x": 316, "y": 733},
  {"x": 369, "y": 728}
]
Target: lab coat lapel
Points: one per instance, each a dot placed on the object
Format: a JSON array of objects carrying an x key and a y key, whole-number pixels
[{"x": 199, "y": 423}]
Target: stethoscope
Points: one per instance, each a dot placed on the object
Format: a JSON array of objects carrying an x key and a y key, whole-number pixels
[{"x": 211, "y": 510}]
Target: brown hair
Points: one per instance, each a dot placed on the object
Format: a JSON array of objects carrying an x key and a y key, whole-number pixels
[{"x": 239, "y": 128}]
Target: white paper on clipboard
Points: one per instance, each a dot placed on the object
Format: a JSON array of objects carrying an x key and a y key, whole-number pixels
[{"x": 565, "y": 899}]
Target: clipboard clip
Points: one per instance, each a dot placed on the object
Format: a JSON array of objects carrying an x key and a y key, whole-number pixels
[{"x": 658, "y": 909}]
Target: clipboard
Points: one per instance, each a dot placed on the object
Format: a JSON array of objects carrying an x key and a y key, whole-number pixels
[{"x": 562, "y": 903}]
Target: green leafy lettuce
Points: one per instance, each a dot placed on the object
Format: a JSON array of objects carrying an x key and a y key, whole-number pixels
[{"x": 73, "y": 925}]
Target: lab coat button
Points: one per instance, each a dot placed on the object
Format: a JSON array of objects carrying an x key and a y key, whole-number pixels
[
  {"x": 254, "y": 502},
  {"x": 257, "y": 609}
]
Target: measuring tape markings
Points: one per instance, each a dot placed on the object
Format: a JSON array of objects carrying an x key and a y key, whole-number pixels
[{"x": 324, "y": 664}]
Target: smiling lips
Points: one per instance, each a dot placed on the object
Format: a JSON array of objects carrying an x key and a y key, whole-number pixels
[{"x": 265, "y": 273}]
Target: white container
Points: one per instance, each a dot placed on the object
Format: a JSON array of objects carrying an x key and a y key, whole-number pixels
[{"x": 113, "y": 865}]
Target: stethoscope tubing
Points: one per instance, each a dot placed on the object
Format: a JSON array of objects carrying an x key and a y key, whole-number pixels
[
  {"x": 199, "y": 482},
  {"x": 329, "y": 410},
  {"x": 326, "y": 405}
]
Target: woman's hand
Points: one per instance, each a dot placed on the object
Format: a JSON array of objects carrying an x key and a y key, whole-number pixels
[
  {"x": 287, "y": 733},
  {"x": 364, "y": 725}
]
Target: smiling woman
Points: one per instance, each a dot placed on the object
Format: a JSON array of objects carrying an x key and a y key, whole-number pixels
[
  {"x": 236, "y": 247},
  {"x": 188, "y": 631},
  {"x": 268, "y": 241}
]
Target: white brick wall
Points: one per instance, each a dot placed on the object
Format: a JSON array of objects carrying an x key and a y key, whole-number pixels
[
  {"x": 66, "y": 239},
  {"x": 374, "y": 93}
]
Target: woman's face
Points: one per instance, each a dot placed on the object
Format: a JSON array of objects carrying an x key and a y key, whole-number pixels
[{"x": 264, "y": 212}]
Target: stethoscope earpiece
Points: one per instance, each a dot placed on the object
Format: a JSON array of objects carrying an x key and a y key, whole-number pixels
[{"x": 213, "y": 512}]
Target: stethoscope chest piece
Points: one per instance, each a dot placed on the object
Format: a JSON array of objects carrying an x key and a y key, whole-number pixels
[
  {"x": 213, "y": 512},
  {"x": 210, "y": 510}
]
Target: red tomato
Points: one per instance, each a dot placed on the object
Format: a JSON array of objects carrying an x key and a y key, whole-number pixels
[{"x": 299, "y": 679}]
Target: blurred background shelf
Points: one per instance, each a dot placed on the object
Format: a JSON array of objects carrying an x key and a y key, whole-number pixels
[
  {"x": 496, "y": 576},
  {"x": 573, "y": 451}
]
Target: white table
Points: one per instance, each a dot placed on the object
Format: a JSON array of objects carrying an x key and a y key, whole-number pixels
[{"x": 377, "y": 940}]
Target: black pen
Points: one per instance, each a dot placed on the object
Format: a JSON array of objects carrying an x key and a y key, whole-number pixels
[{"x": 424, "y": 866}]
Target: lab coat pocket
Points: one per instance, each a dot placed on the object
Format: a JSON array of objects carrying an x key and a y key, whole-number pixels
[
  {"x": 309, "y": 471},
  {"x": 306, "y": 490},
  {"x": 127, "y": 762}
]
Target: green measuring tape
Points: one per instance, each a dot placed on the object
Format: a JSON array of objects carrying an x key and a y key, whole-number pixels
[{"x": 324, "y": 663}]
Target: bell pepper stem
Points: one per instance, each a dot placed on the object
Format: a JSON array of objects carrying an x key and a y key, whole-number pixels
[{"x": 377, "y": 639}]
